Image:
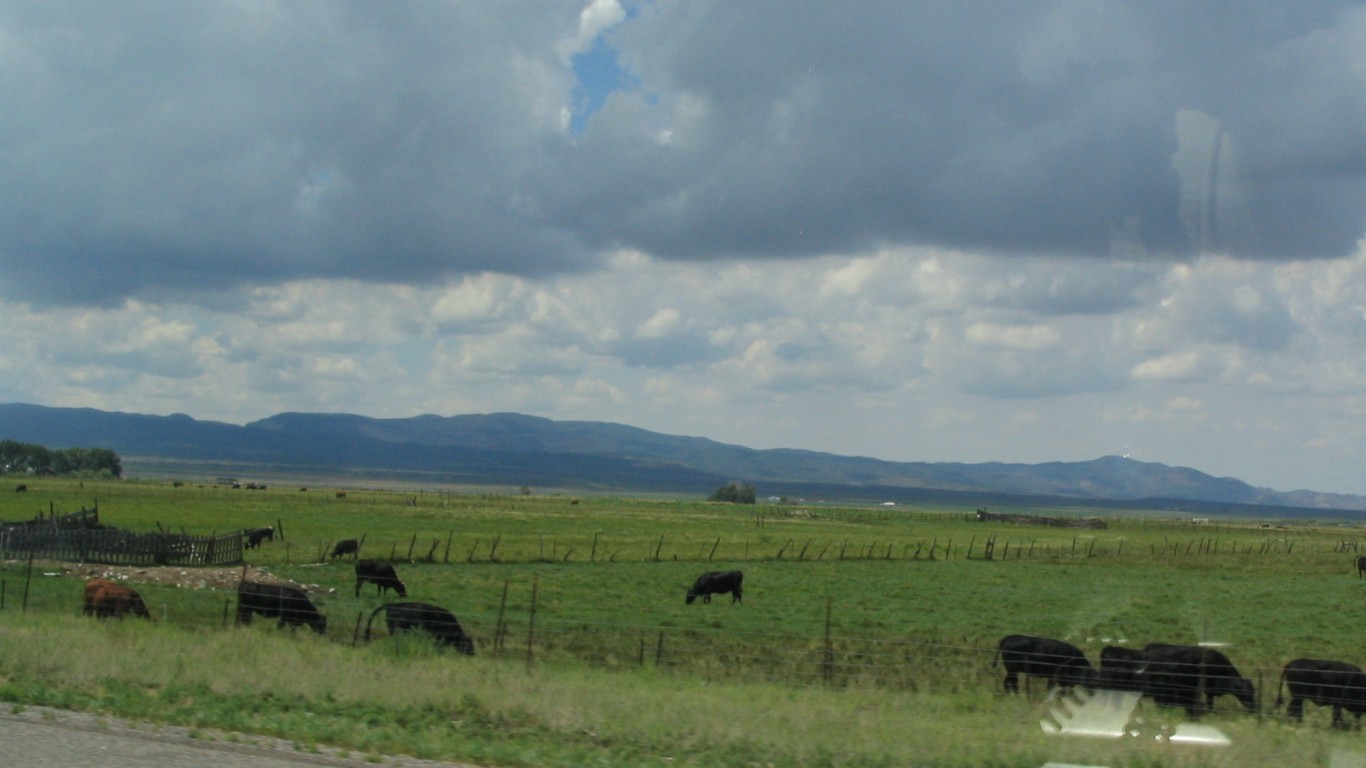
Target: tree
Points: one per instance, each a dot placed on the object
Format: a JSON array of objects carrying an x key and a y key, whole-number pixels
[
  {"x": 24, "y": 459},
  {"x": 734, "y": 492}
]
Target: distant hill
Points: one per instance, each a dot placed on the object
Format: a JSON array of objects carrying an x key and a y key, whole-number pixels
[{"x": 520, "y": 450}]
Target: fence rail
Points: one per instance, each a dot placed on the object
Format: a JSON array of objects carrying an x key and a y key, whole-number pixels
[{"x": 118, "y": 547}]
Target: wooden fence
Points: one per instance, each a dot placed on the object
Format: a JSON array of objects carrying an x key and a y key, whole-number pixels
[{"x": 119, "y": 547}]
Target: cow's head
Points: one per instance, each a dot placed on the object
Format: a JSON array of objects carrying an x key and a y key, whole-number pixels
[{"x": 1244, "y": 692}]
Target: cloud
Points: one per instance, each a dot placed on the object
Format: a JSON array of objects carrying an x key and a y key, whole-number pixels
[
  {"x": 597, "y": 17},
  {"x": 160, "y": 149},
  {"x": 919, "y": 231}
]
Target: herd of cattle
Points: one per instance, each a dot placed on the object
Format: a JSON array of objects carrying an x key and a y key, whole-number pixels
[
  {"x": 1189, "y": 676},
  {"x": 291, "y": 606}
]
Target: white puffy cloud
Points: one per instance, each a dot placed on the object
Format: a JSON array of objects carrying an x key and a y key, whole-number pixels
[{"x": 924, "y": 231}]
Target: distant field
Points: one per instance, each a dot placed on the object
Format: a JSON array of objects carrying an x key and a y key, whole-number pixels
[{"x": 847, "y": 611}]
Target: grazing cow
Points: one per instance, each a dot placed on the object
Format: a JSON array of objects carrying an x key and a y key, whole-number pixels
[
  {"x": 21, "y": 488},
  {"x": 1061, "y": 663},
  {"x": 287, "y": 603},
  {"x": 381, "y": 574},
  {"x": 1191, "y": 676},
  {"x": 1335, "y": 684},
  {"x": 437, "y": 621},
  {"x": 1361, "y": 566},
  {"x": 104, "y": 598},
  {"x": 257, "y": 535},
  {"x": 346, "y": 547},
  {"x": 1121, "y": 669},
  {"x": 717, "y": 583}
]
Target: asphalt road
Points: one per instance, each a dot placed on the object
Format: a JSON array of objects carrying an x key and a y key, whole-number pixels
[{"x": 39, "y": 737}]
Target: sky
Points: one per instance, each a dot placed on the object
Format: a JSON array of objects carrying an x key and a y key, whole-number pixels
[{"x": 935, "y": 231}]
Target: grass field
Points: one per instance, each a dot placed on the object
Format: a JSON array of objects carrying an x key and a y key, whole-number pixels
[{"x": 865, "y": 637}]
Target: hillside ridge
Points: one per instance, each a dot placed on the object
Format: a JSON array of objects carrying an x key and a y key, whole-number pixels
[{"x": 525, "y": 450}]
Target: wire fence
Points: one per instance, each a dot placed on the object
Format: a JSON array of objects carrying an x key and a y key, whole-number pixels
[
  {"x": 835, "y": 658},
  {"x": 499, "y": 548}
]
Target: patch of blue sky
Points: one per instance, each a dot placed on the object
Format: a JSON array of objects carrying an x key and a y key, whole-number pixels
[{"x": 599, "y": 74}]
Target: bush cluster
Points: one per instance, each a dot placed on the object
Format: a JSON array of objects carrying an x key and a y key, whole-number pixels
[{"x": 25, "y": 459}]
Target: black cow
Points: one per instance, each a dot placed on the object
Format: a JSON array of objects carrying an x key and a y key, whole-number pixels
[
  {"x": 257, "y": 535},
  {"x": 346, "y": 547},
  {"x": 437, "y": 621},
  {"x": 21, "y": 488},
  {"x": 381, "y": 574},
  {"x": 717, "y": 583},
  {"x": 1062, "y": 664},
  {"x": 1335, "y": 684},
  {"x": 1361, "y": 566},
  {"x": 1121, "y": 669},
  {"x": 289, "y": 604},
  {"x": 1191, "y": 676}
]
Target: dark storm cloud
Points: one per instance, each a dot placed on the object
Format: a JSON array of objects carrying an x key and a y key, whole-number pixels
[
  {"x": 198, "y": 146},
  {"x": 208, "y": 144},
  {"x": 1046, "y": 127}
]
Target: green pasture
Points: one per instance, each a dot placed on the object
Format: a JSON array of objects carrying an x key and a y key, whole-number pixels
[{"x": 879, "y": 623}]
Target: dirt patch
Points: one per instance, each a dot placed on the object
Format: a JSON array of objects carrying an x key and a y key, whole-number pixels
[{"x": 176, "y": 576}]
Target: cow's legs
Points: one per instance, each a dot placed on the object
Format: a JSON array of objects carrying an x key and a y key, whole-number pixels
[{"x": 1012, "y": 682}]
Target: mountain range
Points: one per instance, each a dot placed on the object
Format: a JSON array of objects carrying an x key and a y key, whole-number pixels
[{"x": 503, "y": 449}]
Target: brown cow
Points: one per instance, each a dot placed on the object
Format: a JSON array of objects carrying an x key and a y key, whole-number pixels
[{"x": 104, "y": 598}]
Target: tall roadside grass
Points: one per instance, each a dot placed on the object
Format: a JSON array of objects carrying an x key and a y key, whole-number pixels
[{"x": 404, "y": 696}]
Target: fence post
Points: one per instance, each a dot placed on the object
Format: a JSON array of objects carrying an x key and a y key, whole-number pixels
[
  {"x": 531, "y": 622},
  {"x": 828, "y": 657},
  {"x": 28, "y": 577},
  {"x": 500, "y": 627},
  {"x": 450, "y": 536}
]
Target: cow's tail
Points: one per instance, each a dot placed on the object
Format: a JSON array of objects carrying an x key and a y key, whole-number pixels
[{"x": 373, "y": 614}]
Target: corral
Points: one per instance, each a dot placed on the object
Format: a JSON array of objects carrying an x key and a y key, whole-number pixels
[{"x": 80, "y": 537}]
